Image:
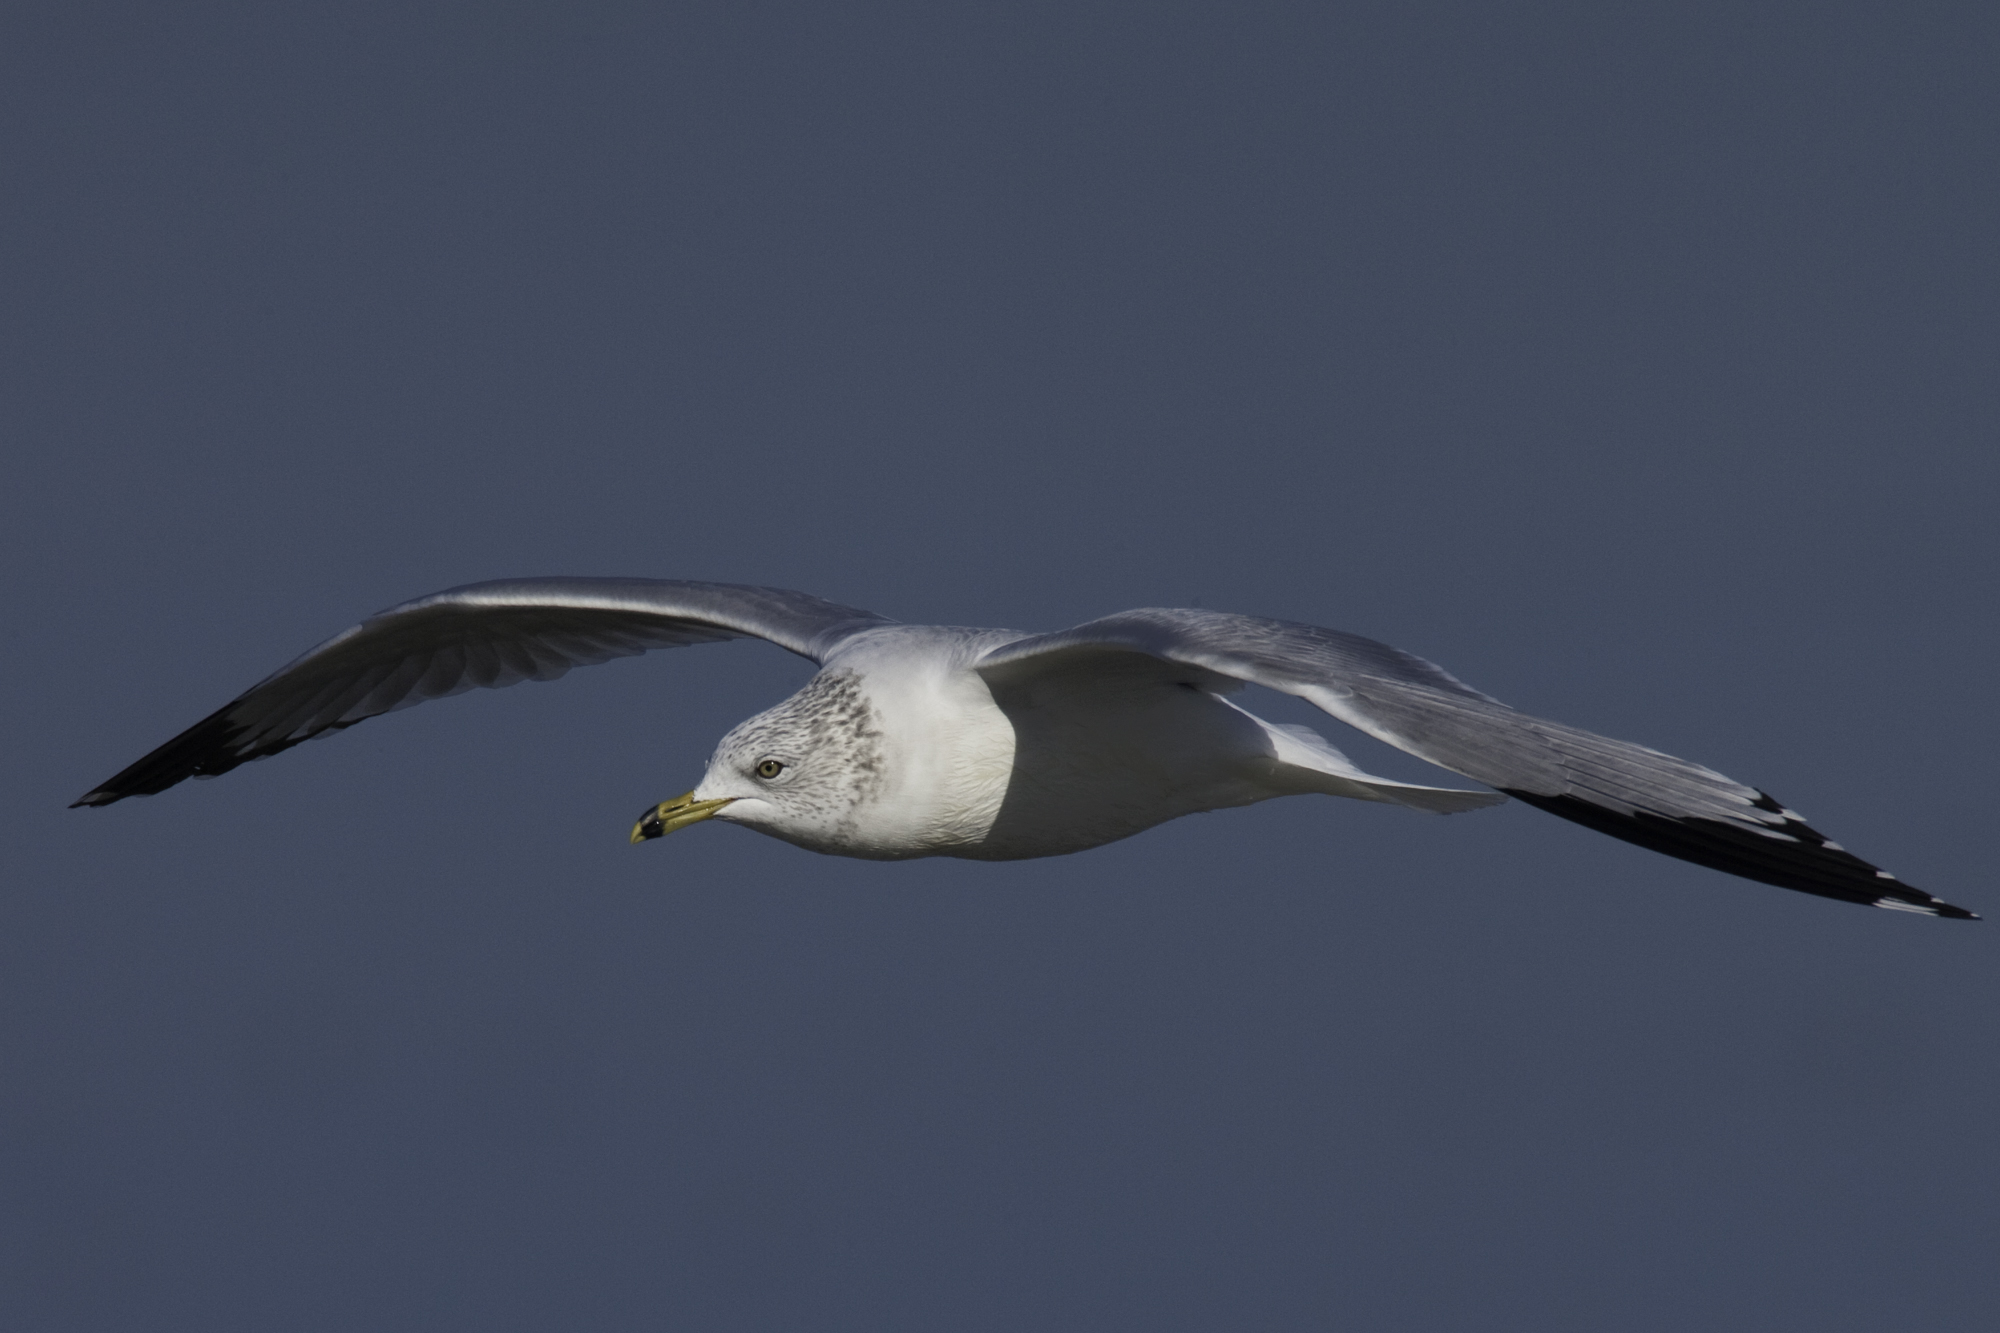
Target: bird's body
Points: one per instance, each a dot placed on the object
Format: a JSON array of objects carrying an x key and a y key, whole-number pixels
[
  {"x": 900, "y": 747},
  {"x": 918, "y": 740}
]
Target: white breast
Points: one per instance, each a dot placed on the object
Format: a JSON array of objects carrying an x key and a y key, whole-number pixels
[{"x": 948, "y": 749}]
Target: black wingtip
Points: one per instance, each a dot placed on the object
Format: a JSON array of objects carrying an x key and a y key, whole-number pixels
[
  {"x": 203, "y": 750},
  {"x": 103, "y": 796},
  {"x": 1802, "y": 858},
  {"x": 1937, "y": 907},
  {"x": 209, "y": 748}
]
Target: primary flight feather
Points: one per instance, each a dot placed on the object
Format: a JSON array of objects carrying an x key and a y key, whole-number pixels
[{"x": 924, "y": 740}]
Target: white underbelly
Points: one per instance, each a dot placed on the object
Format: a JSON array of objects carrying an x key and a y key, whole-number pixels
[{"x": 1095, "y": 764}]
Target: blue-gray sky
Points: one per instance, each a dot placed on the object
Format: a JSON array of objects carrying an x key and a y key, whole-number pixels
[{"x": 1635, "y": 362}]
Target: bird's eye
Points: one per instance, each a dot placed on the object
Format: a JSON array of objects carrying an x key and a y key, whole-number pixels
[{"x": 770, "y": 768}]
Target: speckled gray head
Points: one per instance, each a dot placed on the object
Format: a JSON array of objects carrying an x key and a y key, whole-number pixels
[{"x": 803, "y": 771}]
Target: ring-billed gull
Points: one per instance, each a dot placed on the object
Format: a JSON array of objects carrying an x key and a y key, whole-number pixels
[{"x": 928, "y": 740}]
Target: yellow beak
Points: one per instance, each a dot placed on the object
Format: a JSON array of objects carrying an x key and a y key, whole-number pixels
[{"x": 667, "y": 816}]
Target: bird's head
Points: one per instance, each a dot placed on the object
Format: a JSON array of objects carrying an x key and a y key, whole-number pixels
[{"x": 801, "y": 771}]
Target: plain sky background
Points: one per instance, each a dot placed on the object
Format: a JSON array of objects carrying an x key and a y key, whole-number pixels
[{"x": 1636, "y": 362}]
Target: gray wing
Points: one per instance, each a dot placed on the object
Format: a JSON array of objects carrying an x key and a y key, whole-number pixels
[
  {"x": 1625, "y": 790},
  {"x": 483, "y": 635}
]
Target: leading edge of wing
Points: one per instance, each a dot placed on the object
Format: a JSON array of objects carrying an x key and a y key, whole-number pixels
[
  {"x": 796, "y": 621},
  {"x": 482, "y": 635},
  {"x": 1279, "y": 654},
  {"x": 1639, "y": 795}
]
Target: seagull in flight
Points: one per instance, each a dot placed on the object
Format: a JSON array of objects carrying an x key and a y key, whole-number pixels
[{"x": 933, "y": 740}]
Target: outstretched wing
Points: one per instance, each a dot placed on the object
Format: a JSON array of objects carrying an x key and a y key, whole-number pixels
[
  {"x": 1628, "y": 791},
  {"x": 483, "y": 635}
]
